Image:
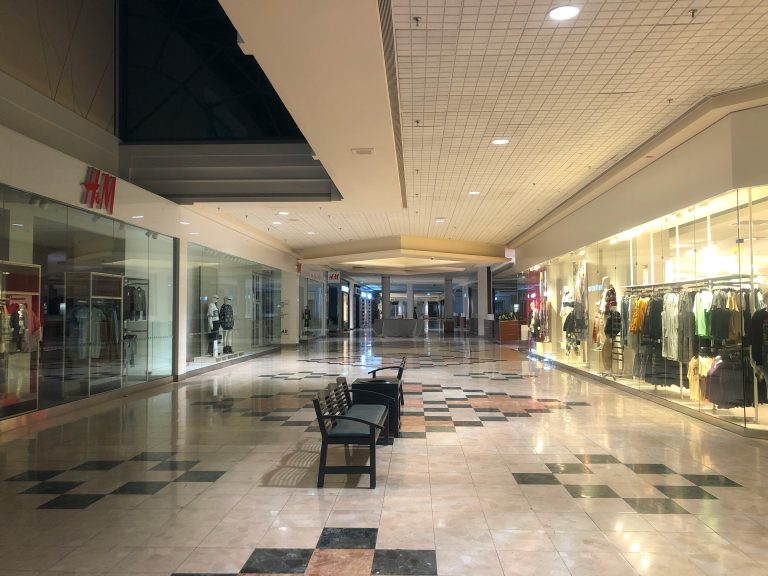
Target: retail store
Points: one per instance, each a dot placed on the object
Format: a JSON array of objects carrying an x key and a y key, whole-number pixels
[{"x": 673, "y": 307}]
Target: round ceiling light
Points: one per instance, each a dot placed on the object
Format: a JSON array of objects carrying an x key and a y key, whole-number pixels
[
  {"x": 474, "y": 193},
  {"x": 564, "y": 12}
]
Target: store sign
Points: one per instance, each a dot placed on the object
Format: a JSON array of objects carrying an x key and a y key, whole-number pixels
[
  {"x": 312, "y": 275},
  {"x": 334, "y": 277},
  {"x": 99, "y": 190}
]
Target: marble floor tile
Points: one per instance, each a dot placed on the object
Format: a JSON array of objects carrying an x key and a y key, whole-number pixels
[
  {"x": 478, "y": 562},
  {"x": 524, "y": 563}
]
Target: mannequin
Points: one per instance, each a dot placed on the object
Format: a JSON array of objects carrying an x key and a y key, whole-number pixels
[
  {"x": 611, "y": 323},
  {"x": 227, "y": 318},
  {"x": 307, "y": 315},
  {"x": 534, "y": 322},
  {"x": 213, "y": 325}
]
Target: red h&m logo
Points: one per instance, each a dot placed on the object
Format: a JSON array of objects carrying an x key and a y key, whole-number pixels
[{"x": 99, "y": 190}]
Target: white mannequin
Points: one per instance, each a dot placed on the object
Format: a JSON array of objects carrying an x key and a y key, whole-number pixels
[{"x": 213, "y": 325}]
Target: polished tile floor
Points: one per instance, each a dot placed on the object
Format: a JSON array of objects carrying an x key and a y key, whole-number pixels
[{"x": 504, "y": 466}]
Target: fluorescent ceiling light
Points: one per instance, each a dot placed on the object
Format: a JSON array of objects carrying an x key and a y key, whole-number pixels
[
  {"x": 500, "y": 141},
  {"x": 283, "y": 213},
  {"x": 311, "y": 233},
  {"x": 183, "y": 222},
  {"x": 194, "y": 233},
  {"x": 138, "y": 217},
  {"x": 440, "y": 220},
  {"x": 564, "y": 12},
  {"x": 474, "y": 193},
  {"x": 276, "y": 223}
]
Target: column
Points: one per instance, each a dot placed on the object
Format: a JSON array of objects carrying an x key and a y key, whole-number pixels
[
  {"x": 409, "y": 301},
  {"x": 483, "y": 298},
  {"x": 385, "y": 298},
  {"x": 448, "y": 306}
]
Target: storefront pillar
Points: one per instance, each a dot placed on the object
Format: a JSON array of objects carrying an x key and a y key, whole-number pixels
[
  {"x": 409, "y": 301},
  {"x": 483, "y": 298},
  {"x": 448, "y": 306},
  {"x": 385, "y": 297},
  {"x": 180, "y": 269}
]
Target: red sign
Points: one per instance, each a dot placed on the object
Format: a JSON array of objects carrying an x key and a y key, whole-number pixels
[{"x": 99, "y": 190}]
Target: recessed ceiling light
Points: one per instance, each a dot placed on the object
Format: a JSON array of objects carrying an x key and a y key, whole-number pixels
[
  {"x": 500, "y": 141},
  {"x": 564, "y": 12},
  {"x": 194, "y": 233},
  {"x": 311, "y": 233},
  {"x": 183, "y": 222},
  {"x": 138, "y": 217},
  {"x": 283, "y": 213},
  {"x": 276, "y": 223},
  {"x": 440, "y": 220},
  {"x": 474, "y": 193}
]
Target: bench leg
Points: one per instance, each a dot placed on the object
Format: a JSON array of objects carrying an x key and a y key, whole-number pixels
[
  {"x": 321, "y": 472},
  {"x": 402, "y": 396},
  {"x": 347, "y": 455},
  {"x": 373, "y": 462}
]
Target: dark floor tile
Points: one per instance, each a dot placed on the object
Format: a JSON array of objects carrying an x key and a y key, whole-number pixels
[
  {"x": 72, "y": 501},
  {"x": 175, "y": 465},
  {"x": 710, "y": 480},
  {"x": 348, "y": 538},
  {"x": 427, "y": 402},
  {"x": 487, "y": 410},
  {"x": 275, "y": 418},
  {"x": 278, "y": 561},
  {"x": 547, "y": 400},
  {"x": 571, "y": 403},
  {"x": 516, "y": 414},
  {"x": 412, "y": 413},
  {"x": 254, "y": 413},
  {"x": 459, "y": 405},
  {"x": 650, "y": 469},
  {"x": 535, "y": 478},
  {"x": 98, "y": 465},
  {"x": 597, "y": 459},
  {"x": 467, "y": 423},
  {"x": 296, "y": 423},
  {"x": 51, "y": 487},
  {"x": 590, "y": 491},
  {"x": 493, "y": 418},
  {"x": 655, "y": 506},
  {"x": 140, "y": 488},
  {"x": 538, "y": 410},
  {"x": 200, "y": 476},
  {"x": 685, "y": 492},
  {"x": 153, "y": 456},
  {"x": 431, "y": 409},
  {"x": 35, "y": 476},
  {"x": 285, "y": 410},
  {"x": 313, "y": 429},
  {"x": 413, "y": 435},
  {"x": 437, "y": 418},
  {"x": 569, "y": 469},
  {"x": 441, "y": 429},
  {"x": 405, "y": 562},
  {"x": 523, "y": 396}
]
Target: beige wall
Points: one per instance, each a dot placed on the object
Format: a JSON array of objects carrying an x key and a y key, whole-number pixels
[{"x": 63, "y": 49}]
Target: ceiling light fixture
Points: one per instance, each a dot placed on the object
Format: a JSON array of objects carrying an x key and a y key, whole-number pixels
[
  {"x": 440, "y": 220},
  {"x": 276, "y": 223},
  {"x": 283, "y": 213},
  {"x": 564, "y": 13},
  {"x": 311, "y": 233},
  {"x": 500, "y": 141},
  {"x": 138, "y": 217},
  {"x": 183, "y": 222},
  {"x": 474, "y": 193},
  {"x": 194, "y": 233}
]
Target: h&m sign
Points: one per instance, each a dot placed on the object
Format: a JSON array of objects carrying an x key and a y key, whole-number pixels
[
  {"x": 99, "y": 190},
  {"x": 334, "y": 277}
]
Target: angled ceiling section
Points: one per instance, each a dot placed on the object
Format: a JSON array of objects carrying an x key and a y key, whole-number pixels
[{"x": 326, "y": 61}]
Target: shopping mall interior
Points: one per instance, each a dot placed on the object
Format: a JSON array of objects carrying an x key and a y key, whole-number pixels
[{"x": 396, "y": 287}]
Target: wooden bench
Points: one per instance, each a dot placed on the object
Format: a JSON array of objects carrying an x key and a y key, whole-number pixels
[
  {"x": 400, "y": 371},
  {"x": 342, "y": 422}
]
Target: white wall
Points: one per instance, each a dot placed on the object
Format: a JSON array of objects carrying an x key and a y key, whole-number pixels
[
  {"x": 289, "y": 311},
  {"x": 700, "y": 168}
]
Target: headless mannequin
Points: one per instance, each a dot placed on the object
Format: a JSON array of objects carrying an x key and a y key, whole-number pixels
[
  {"x": 608, "y": 304},
  {"x": 213, "y": 325},
  {"x": 227, "y": 318}
]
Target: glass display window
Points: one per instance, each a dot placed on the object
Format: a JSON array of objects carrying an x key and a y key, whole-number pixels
[{"x": 673, "y": 307}]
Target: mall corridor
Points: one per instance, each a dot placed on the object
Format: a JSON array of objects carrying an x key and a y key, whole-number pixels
[{"x": 504, "y": 466}]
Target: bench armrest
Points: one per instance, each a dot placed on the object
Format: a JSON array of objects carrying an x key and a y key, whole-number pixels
[
  {"x": 384, "y": 368},
  {"x": 371, "y": 424}
]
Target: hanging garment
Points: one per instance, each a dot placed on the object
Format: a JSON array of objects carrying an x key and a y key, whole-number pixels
[
  {"x": 227, "y": 317},
  {"x": 686, "y": 326},
  {"x": 612, "y": 324},
  {"x": 637, "y": 322},
  {"x": 702, "y": 305},
  {"x": 669, "y": 326},
  {"x": 694, "y": 372},
  {"x": 734, "y": 326}
]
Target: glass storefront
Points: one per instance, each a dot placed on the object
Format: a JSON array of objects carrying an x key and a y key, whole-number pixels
[
  {"x": 86, "y": 303},
  {"x": 674, "y": 307},
  {"x": 233, "y": 307},
  {"x": 312, "y": 298}
]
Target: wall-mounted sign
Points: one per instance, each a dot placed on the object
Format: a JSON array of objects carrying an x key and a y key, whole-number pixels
[
  {"x": 334, "y": 277},
  {"x": 99, "y": 190}
]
